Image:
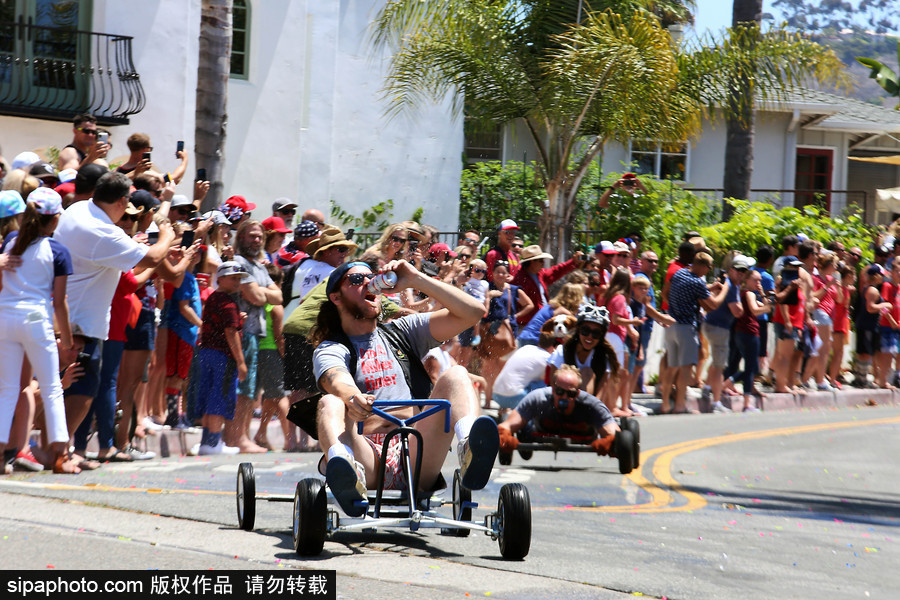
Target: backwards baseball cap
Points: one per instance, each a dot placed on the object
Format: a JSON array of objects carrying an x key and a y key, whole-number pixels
[
  {"x": 232, "y": 267},
  {"x": 46, "y": 201},
  {"x": 334, "y": 280},
  {"x": 11, "y": 203},
  {"x": 508, "y": 224},
  {"x": 875, "y": 270}
]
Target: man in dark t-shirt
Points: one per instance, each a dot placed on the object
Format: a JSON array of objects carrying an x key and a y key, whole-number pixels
[{"x": 561, "y": 408}]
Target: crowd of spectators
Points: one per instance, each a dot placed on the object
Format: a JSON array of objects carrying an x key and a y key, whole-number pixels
[{"x": 125, "y": 310}]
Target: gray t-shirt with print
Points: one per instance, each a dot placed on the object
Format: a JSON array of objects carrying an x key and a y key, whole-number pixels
[
  {"x": 255, "y": 324},
  {"x": 377, "y": 371}
]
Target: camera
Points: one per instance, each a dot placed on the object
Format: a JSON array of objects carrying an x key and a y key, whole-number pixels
[{"x": 629, "y": 182}]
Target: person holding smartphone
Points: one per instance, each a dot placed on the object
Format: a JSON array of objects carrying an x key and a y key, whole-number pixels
[
  {"x": 85, "y": 147},
  {"x": 629, "y": 184}
]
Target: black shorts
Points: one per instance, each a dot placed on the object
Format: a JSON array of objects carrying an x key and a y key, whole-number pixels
[
  {"x": 298, "y": 364},
  {"x": 868, "y": 341},
  {"x": 143, "y": 335},
  {"x": 270, "y": 374}
]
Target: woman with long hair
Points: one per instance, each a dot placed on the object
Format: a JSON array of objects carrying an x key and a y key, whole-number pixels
[
  {"x": 621, "y": 328},
  {"x": 746, "y": 337},
  {"x": 26, "y": 324},
  {"x": 588, "y": 351},
  {"x": 392, "y": 243},
  {"x": 824, "y": 292},
  {"x": 841, "y": 328}
]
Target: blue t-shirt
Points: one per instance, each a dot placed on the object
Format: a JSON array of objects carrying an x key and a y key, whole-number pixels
[
  {"x": 647, "y": 328},
  {"x": 722, "y": 316},
  {"x": 190, "y": 291},
  {"x": 768, "y": 284},
  {"x": 685, "y": 289},
  {"x": 532, "y": 331}
]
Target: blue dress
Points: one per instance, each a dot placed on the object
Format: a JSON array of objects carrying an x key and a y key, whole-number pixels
[{"x": 500, "y": 307}]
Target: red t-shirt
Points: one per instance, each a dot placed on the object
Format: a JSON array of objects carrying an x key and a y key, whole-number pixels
[
  {"x": 120, "y": 310},
  {"x": 221, "y": 312},
  {"x": 747, "y": 322},
  {"x": 673, "y": 268},
  {"x": 796, "y": 312},
  {"x": 617, "y": 306}
]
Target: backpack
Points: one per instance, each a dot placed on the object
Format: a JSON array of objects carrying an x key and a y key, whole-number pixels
[{"x": 414, "y": 372}]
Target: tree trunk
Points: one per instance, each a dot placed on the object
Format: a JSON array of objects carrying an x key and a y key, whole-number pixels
[
  {"x": 739, "y": 144},
  {"x": 556, "y": 221},
  {"x": 212, "y": 94}
]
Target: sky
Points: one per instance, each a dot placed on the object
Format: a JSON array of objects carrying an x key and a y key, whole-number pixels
[{"x": 715, "y": 15}]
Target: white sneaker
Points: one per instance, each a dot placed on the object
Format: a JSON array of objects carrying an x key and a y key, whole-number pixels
[
  {"x": 220, "y": 448},
  {"x": 825, "y": 387},
  {"x": 195, "y": 450},
  {"x": 151, "y": 425},
  {"x": 720, "y": 408},
  {"x": 136, "y": 454}
]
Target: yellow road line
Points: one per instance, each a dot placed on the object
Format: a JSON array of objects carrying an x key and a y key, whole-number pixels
[{"x": 662, "y": 495}]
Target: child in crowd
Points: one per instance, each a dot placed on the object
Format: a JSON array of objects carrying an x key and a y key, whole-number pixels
[
  {"x": 220, "y": 359},
  {"x": 270, "y": 369},
  {"x": 476, "y": 286},
  {"x": 183, "y": 319}
]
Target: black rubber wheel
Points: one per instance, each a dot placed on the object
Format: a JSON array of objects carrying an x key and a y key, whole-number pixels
[
  {"x": 504, "y": 458},
  {"x": 310, "y": 517},
  {"x": 635, "y": 428},
  {"x": 246, "y": 497},
  {"x": 624, "y": 444},
  {"x": 514, "y": 521},
  {"x": 461, "y": 494}
]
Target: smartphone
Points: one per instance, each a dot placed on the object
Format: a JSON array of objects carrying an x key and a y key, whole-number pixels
[
  {"x": 83, "y": 361},
  {"x": 201, "y": 175},
  {"x": 179, "y": 147},
  {"x": 413, "y": 245},
  {"x": 167, "y": 178},
  {"x": 146, "y": 156},
  {"x": 103, "y": 137},
  {"x": 349, "y": 234},
  {"x": 187, "y": 238},
  {"x": 152, "y": 237}
]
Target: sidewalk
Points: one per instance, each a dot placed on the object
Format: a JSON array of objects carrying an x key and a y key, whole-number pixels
[{"x": 847, "y": 398}]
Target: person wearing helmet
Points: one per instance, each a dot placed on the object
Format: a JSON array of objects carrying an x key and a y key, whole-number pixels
[{"x": 588, "y": 350}]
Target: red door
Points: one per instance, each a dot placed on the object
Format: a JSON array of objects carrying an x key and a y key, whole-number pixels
[{"x": 814, "y": 167}]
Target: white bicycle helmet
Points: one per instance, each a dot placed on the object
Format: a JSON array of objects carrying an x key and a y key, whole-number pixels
[{"x": 590, "y": 313}]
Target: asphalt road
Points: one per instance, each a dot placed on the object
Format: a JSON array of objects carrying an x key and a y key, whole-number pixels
[{"x": 771, "y": 505}]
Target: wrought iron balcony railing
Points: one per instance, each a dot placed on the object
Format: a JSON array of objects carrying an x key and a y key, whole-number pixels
[{"x": 54, "y": 73}]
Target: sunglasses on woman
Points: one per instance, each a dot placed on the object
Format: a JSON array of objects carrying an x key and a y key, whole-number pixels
[
  {"x": 590, "y": 332},
  {"x": 398, "y": 240}
]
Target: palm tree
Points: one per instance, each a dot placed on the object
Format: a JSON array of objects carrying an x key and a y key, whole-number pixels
[
  {"x": 577, "y": 77},
  {"x": 212, "y": 94},
  {"x": 884, "y": 75}
]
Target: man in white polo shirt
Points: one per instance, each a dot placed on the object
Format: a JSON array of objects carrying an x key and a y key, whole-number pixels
[{"x": 100, "y": 251}]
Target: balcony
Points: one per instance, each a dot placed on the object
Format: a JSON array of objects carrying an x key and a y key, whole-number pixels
[{"x": 53, "y": 73}]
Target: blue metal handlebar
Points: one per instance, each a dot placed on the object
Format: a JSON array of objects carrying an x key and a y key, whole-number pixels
[{"x": 437, "y": 405}]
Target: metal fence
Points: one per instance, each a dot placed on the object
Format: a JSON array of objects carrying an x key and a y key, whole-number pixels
[{"x": 55, "y": 73}]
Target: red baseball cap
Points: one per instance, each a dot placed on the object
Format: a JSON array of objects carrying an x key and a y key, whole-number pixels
[
  {"x": 436, "y": 249},
  {"x": 241, "y": 203},
  {"x": 275, "y": 224}
]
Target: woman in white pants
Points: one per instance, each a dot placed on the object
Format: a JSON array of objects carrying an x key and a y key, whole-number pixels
[{"x": 26, "y": 324}]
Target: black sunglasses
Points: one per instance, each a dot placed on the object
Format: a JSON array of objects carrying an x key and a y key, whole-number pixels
[
  {"x": 399, "y": 240},
  {"x": 561, "y": 392},
  {"x": 517, "y": 246},
  {"x": 652, "y": 260},
  {"x": 359, "y": 278},
  {"x": 464, "y": 256},
  {"x": 479, "y": 271},
  {"x": 183, "y": 209},
  {"x": 288, "y": 211},
  {"x": 88, "y": 131},
  {"x": 590, "y": 332},
  {"x": 342, "y": 249},
  {"x": 132, "y": 218}
]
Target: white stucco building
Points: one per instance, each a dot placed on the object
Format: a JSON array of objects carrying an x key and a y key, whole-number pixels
[{"x": 305, "y": 119}]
